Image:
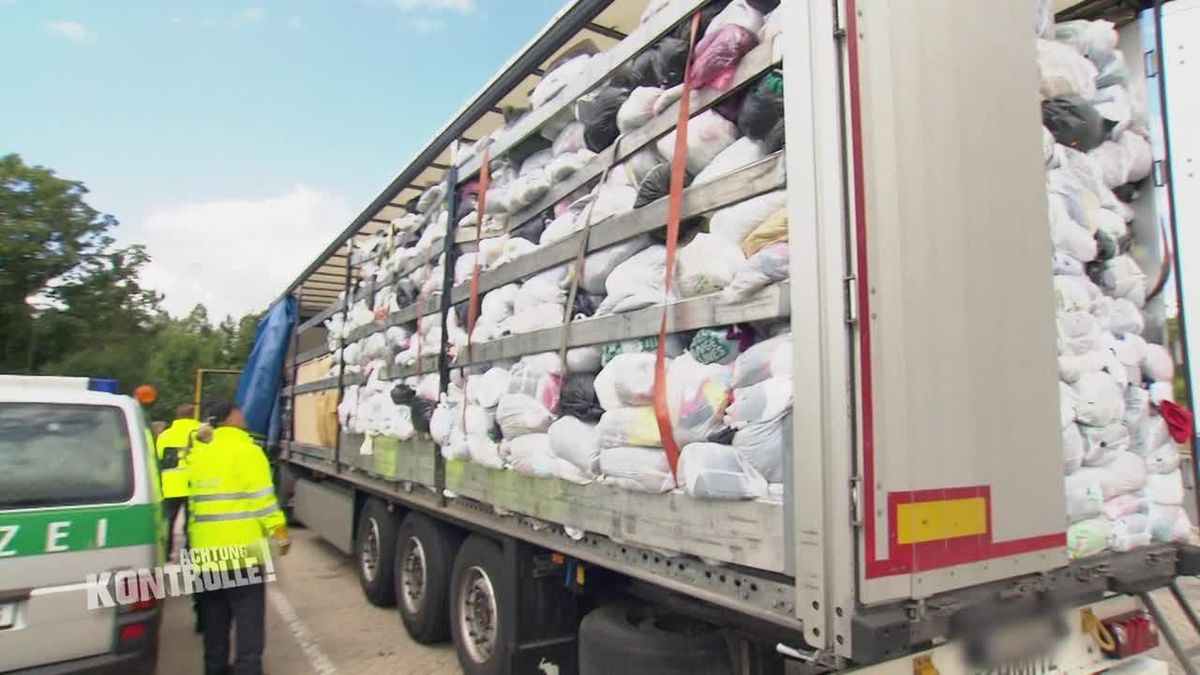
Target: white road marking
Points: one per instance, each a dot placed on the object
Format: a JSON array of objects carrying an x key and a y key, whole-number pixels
[{"x": 321, "y": 664}]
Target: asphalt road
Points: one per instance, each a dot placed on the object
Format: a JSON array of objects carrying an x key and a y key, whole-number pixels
[{"x": 317, "y": 622}]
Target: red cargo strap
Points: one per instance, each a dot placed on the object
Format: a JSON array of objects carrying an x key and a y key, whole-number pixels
[{"x": 662, "y": 412}]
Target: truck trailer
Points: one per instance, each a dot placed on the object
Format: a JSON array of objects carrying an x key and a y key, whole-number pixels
[{"x": 913, "y": 515}]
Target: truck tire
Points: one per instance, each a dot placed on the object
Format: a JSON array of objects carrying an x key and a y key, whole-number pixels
[
  {"x": 425, "y": 552},
  {"x": 627, "y": 638},
  {"x": 374, "y": 553},
  {"x": 477, "y": 597}
]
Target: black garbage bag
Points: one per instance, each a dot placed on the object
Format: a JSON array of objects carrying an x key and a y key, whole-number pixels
[
  {"x": 724, "y": 436},
  {"x": 598, "y": 112},
  {"x": 656, "y": 185},
  {"x": 1127, "y": 192},
  {"x": 763, "y": 6},
  {"x": 1107, "y": 247},
  {"x": 636, "y": 72},
  {"x": 762, "y": 108},
  {"x": 406, "y": 291},
  {"x": 422, "y": 412},
  {"x": 466, "y": 205},
  {"x": 586, "y": 303},
  {"x": 670, "y": 59},
  {"x": 402, "y": 394},
  {"x": 706, "y": 16},
  {"x": 532, "y": 230},
  {"x": 1074, "y": 122},
  {"x": 775, "y": 140},
  {"x": 578, "y": 398},
  {"x": 660, "y": 65}
]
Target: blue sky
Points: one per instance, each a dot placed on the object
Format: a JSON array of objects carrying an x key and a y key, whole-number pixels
[{"x": 191, "y": 120}]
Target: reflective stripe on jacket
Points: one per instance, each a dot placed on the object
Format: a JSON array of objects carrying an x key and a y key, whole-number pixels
[
  {"x": 172, "y": 444},
  {"x": 231, "y": 505}
]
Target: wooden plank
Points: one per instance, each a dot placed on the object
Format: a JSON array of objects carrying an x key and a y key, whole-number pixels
[
  {"x": 393, "y": 459},
  {"x": 746, "y": 533}
]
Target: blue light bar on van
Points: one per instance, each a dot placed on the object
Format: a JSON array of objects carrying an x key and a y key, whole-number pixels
[{"x": 104, "y": 384}]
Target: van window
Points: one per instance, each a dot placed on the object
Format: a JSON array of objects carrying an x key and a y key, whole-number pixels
[{"x": 54, "y": 454}]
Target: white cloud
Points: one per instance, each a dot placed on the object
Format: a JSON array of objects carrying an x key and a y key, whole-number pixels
[
  {"x": 427, "y": 25},
  {"x": 176, "y": 19},
  {"x": 71, "y": 30},
  {"x": 293, "y": 22},
  {"x": 249, "y": 15},
  {"x": 236, "y": 255},
  {"x": 464, "y": 6}
]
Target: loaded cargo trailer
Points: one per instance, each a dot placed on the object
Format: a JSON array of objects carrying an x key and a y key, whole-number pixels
[{"x": 914, "y": 502}]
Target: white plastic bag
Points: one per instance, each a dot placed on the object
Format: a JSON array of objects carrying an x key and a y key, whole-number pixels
[
  {"x": 638, "y": 109},
  {"x": 637, "y": 468},
  {"x": 1101, "y": 445},
  {"x": 769, "y": 265},
  {"x": 636, "y": 283},
  {"x": 628, "y": 426},
  {"x": 715, "y": 471},
  {"x": 1064, "y": 71},
  {"x": 489, "y": 387},
  {"x": 1165, "y": 488},
  {"x": 555, "y": 80},
  {"x": 742, "y": 152},
  {"x": 530, "y": 455},
  {"x": 707, "y": 264},
  {"x": 733, "y": 223},
  {"x": 1100, "y": 399},
  {"x": 1072, "y": 442},
  {"x": 1085, "y": 495},
  {"x": 696, "y": 398},
  {"x": 518, "y": 415},
  {"x": 576, "y": 442},
  {"x": 626, "y": 381},
  {"x": 761, "y": 402},
  {"x": 765, "y": 444},
  {"x": 707, "y": 135},
  {"x": 760, "y": 361},
  {"x": 599, "y": 265}
]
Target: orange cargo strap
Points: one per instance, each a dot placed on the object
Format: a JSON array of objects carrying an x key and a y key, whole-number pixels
[
  {"x": 662, "y": 412},
  {"x": 485, "y": 181}
]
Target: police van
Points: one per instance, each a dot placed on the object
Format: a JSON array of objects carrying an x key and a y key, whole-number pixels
[{"x": 79, "y": 502}]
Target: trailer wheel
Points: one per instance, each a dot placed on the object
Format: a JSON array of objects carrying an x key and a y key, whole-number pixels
[
  {"x": 424, "y": 555},
  {"x": 481, "y": 635},
  {"x": 375, "y": 549},
  {"x": 626, "y": 638}
]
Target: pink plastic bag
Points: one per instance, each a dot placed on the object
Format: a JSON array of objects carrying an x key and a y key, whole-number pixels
[{"x": 718, "y": 55}]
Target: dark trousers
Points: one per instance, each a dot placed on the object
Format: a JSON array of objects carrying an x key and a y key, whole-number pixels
[
  {"x": 241, "y": 608},
  {"x": 171, "y": 509}
]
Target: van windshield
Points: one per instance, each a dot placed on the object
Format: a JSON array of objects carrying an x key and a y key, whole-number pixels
[{"x": 54, "y": 454}]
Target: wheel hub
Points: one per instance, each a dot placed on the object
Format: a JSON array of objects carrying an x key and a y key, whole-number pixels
[
  {"x": 369, "y": 551},
  {"x": 477, "y": 617},
  {"x": 412, "y": 575}
]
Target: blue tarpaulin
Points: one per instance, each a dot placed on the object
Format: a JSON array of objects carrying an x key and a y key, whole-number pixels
[{"x": 258, "y": 386}]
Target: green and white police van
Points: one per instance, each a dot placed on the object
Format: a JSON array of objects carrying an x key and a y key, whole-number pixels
[{"x": 79, "y": 503}]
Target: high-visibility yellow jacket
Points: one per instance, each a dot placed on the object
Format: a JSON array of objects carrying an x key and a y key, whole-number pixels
[
  {"x": 172, "y": 446},
  {"x": 231, "y": 505}
]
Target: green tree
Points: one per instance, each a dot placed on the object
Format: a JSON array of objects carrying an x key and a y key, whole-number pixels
[{"x": 46, "y": 231}]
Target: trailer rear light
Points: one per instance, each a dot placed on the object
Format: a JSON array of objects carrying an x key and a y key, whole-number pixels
[
  {"x": 134, "y": 631},
  {"x": 1132, "y": 633}
]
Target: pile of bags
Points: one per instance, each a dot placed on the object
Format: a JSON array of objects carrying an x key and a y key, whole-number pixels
[{"x": 1120, "y": 426}]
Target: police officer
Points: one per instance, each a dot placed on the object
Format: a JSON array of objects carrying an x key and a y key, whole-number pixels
[
  {"x": 172, "y": 446},
  {"x": 231, "y": 511}
]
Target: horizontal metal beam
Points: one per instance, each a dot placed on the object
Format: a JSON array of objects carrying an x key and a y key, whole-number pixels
[{"x": 605, "y": 31}]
